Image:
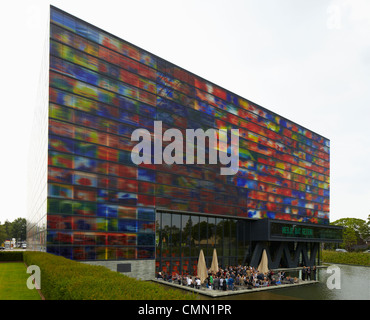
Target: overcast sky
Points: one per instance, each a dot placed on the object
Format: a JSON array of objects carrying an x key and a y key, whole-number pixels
[{"x": 308, "y": 61}]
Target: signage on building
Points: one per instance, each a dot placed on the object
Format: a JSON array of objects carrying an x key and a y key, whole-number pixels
[{"x": 297, "y": 231}]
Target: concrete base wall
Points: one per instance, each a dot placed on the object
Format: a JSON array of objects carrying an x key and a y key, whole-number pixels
[{"x": 139, "y": 269}]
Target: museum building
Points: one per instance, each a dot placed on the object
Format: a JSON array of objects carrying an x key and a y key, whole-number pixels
[{"x": 89, "y": 201}]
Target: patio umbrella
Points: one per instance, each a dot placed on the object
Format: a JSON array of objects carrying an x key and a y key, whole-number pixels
[
  {"x": 202, "y": 267},
  {"x": 263, "y": 266},
  {"x": 214, "y": 265}
]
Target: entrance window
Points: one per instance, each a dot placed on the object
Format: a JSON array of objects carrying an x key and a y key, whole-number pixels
[
  {"x": 175, "y": 235},
  {"x": 179, "y": 238}
]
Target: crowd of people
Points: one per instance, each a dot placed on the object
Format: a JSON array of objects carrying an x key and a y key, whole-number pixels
[{"x": 238, "y": 276}]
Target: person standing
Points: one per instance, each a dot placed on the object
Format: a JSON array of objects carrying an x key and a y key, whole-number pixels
[
  {"x": 230, "y": 282},
  {"x": 224, "y": 288},
  {"x": 221, "y": 283},
  {"x": 185, "y": 280},
  {"x": 248, "y": 271},
  {"x": 304, "y": 271},
  {"x": 189, "y": 281},
  {"x": 308, "y": 273},
  {"x": 237, "y": 280},
  {"x": 282, "y": 275},
  {"x": 216, "y": 282},
  {"x": 313, "y": 273},
  {"x": 197, "y": 283}
]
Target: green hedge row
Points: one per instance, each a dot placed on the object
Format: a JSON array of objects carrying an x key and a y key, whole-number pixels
[
  {"x": 11, "y": 255},
  {"x": 64, "y": 279},
  {"x": 356, "y": 258}
]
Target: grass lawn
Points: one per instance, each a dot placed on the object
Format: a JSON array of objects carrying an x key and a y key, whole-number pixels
[{"x": 13, "y": 282}]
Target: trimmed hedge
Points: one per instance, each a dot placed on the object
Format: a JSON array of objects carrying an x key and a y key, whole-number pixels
[
  {"x": 64, "y": 279},
  {"x": 355, "y": 258},
  {"x": 11, "y": 255}
]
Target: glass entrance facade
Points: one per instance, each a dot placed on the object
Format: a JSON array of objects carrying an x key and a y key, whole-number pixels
[{"x": 181, "y": 236}]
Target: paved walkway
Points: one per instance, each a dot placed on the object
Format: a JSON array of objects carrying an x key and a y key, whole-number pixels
[{"x": 239, "y": 289}]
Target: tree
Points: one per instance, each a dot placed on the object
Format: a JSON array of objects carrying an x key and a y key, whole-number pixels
[
  {"x": 19, "y": 227},
  {"x": 356, "y": 231},
  {"x": 8, "y": 228},
  {"x": 15, "y": 229},
  {"x": 349, "y": 238},
  {"x": 3, "y": 235}
]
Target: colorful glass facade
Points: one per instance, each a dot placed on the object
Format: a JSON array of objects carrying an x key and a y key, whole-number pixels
[{"x": 101, "y": 206}]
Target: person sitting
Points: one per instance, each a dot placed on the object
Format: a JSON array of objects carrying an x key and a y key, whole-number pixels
[
  {"x": 289, "y": 280},
  {"x": 159, "y": 276}
]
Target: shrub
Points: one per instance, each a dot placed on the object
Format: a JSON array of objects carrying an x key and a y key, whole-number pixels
[
  {"x": 64, "y": 279},
  {"x": 11, "y": 256},
  {"x": 356, "y": 258}
]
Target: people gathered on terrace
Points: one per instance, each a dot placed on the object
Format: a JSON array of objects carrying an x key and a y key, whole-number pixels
[{"x": 243, "y": 277}]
